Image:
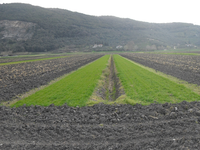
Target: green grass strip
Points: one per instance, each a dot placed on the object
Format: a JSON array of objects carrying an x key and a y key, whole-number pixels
[
  {"x": 145, "y": 87},
  {"x": 75, "y": 89},
  {"x": 32, "y": 60}
]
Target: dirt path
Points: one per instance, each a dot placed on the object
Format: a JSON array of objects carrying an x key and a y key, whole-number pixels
[{"x": 101, "y": 126}]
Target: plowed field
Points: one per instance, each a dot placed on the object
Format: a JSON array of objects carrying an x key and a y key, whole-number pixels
[
  {"x": 24, "y": 58},
  {"x": 122, "y": 127},
  {"x": 184, "y": 67},
  {"x": 19, "y": 78}
]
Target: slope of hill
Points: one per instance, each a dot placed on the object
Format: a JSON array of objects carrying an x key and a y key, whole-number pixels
[{"x": 24, "y": 27}]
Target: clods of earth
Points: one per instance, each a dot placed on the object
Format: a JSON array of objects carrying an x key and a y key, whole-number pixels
[{"x": 153, "y": 127}]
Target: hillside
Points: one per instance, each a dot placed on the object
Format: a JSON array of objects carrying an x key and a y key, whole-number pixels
[{"x": 24, "y": 27}]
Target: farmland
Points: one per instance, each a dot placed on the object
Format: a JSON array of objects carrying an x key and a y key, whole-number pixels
[
  {"x": 163, "y": 114},
  {"x": 184, "y": 67},
  {"x": 156, "y": 126},
  {"x": 19, "y": 78},
  {"x": 140, "y": 85},
  {"x": 21, "y": 58},
  {"x": 146, "y": 87},
  {"x": 75, "y": 89},
  {"x": 24, "y": 60}
]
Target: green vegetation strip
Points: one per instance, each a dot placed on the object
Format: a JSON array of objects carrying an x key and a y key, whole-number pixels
[
  {"x": 32, "y": 60},
  {"x": 75, "y": 89},
  {"x": 145, "y": 87}
]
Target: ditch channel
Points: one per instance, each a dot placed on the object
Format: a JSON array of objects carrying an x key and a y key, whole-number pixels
[{"x": 111, "y": 88}]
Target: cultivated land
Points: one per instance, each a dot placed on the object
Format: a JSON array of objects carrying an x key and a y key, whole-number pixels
[
  {"x": 183, "y": 54},
  {"x": 18, "y": 58},
  {"x": 121, "y": 127},
  {"x": 24, "y": 60},
  {"x": 154, "y": 126},
  {"x": 184, "y": 67},
  {"x": 145, "y": 87},
  {"x": 20, "y": 78},
  {"x": 75, "y": 89}
]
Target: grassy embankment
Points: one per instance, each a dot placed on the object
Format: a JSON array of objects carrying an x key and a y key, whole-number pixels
[
  {"x": 145, "y": 87},
  {"x": 75, "y": 89},
  {"x": 32, "y": 60}
]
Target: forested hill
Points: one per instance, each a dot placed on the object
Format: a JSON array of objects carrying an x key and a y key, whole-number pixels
[{"x": 24, "y": 27}]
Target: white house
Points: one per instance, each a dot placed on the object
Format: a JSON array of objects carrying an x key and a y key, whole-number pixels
[
  {"x": 119, "y": 47},
  {"x": 97, "y": 45}
]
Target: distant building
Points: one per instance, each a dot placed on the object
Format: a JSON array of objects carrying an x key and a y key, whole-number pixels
[
  {"x": 97, "y": 45},
  {"x": 188, "y": 45},
  {"x": 119, "y": 47}
]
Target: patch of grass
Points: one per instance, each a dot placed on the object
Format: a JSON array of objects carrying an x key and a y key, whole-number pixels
[
  {"x": 195, "y": 88},
  {"x": 75, "y": 89},
  {"x": 32, "y": 60},
  {"x": 102, "y": 84},
  {"x": 145, "y": 87},
  {"x": 123, "y": 99}
]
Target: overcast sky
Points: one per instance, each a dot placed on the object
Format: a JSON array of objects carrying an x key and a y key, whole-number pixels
[{"x": 157, "y": 11}]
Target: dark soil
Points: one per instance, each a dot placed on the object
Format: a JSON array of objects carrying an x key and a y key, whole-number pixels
[
  {"x": 123, "y": 127},
  {"x": 19, "y": 78},
  {"x": 184, "y": 67},
  {"x": 192, "y": 52}
]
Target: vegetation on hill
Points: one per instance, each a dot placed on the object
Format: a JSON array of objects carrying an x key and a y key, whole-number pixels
[{"x": 58, "y": 28}]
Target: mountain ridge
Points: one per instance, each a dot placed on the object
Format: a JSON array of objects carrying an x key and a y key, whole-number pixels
[{"x": 60, "y": 29}]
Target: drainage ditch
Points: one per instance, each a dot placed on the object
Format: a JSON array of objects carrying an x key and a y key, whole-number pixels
[{"x": 110, "y": 87}]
